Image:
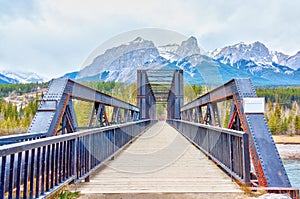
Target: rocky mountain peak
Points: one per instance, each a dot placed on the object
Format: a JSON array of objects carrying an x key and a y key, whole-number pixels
[
  {"x": 294, "y": 61},
  {"x": 188, "y": 47},
  {"x": 239, "y": 60},
  {"x": 138, "y": 40},
  {"x": 256, "y": 52}
]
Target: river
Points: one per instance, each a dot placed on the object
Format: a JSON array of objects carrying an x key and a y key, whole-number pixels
[
  {"x": 292, "y": 168},
  {"x": 290, "y": 153}
]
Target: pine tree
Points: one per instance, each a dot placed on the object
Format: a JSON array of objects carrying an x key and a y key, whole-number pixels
[
  {"x": 297, "y": 124},
  {"x": 272, "y": 124},
  {"x": 284, "y": 126},
  {"x": 269, "y": 105},
  {"x": 226, "y": 121},
  {"x": 277, "y": 118}
]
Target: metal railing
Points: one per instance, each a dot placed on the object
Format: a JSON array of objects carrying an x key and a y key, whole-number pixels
[
  {"x": 37, "y": 168},
  {"x": 228, "y": 148},
  {"x": 20, "y": 138}
]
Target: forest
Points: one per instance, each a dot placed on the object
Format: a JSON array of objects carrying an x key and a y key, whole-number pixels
[
  {"x": 20, "y": 89},
  {"x": 282, "y": 109},
  {"x": 282, "y": 105}
]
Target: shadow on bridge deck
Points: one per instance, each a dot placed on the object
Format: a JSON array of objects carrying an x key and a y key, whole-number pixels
[{"x": 160, "y": 161}]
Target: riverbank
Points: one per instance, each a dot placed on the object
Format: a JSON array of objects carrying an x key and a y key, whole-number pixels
[
  {"x": 289, "y": 151},
  {"x": 285, "y": 139},
  {"x": 288, "y": 146}
]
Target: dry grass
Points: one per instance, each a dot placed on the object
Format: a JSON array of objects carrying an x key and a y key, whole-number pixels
[{"x": 285, "y": 139}]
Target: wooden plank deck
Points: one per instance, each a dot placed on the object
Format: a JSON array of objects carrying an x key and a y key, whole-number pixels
[{"x": 159, "y": 161}]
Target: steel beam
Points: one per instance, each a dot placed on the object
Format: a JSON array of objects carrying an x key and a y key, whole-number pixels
[
  {"x": 146, "y": 100},
  {"x": 175, "y": 99},
  {"x": 57, "y": 106}
]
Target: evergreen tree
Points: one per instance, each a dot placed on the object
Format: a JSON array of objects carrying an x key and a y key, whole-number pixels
[
  {"x": 272, "y": 124},
  {"x": 270, "y": 105},
  {"x": 226, "y": 121},
  {"x": 284, "y": 126},
  {"x": 297, "y": 124}
]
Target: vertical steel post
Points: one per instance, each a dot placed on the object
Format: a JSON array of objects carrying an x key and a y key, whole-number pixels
[
  {"x": 175, "y": 99},
  {"x": 145, "y": 97}
]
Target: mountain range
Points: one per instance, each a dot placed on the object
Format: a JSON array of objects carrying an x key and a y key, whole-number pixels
[
  {"x": 12, "y": 77},
  {"x": 255, "y": 61}
]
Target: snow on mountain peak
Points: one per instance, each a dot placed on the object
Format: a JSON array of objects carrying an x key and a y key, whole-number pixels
[
  {"x": 188, "y": 47},
  {"x": 138, "y": 40},
  {"x": 279, "y": 57},
  {"x": 175, "y": 52},
  {"x": 293, "y": 61},
  {"x": 22, "y": 76},
  {"x": 239, "y": 60},
  {"x": 132, "y": 55},
  {"x": 256, "y": 52}
]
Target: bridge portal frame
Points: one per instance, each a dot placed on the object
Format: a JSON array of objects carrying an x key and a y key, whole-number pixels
[{"x": 146, "y": 99}]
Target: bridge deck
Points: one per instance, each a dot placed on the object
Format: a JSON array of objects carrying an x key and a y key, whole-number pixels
[{"x": 161, "y": 160}]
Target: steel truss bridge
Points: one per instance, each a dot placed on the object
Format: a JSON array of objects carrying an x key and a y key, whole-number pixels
[{"x": 57, "y": 151}]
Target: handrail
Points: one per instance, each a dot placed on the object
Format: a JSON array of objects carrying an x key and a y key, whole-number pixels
[
  {"x": 20, "y": 138},
  {"x": 228, "y": 148},
  {"x": 40, "y": 167}
]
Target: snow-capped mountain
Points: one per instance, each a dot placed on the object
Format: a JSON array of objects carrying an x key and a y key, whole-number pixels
[
  {"x": 116, "y": 63},
  {"x": 256, "y": 58},
  {"x": 241, "y": 60},
  {"x": 293, "y": 61},
  {"x": 175, "y": 52},
  {"x": 256, "y": 52},
  {"x": 120, "y": 63},
  {"x": 21, "y": 77},
  {"x": 6, "y": 80},
  {"x": 279, "y": 57}
]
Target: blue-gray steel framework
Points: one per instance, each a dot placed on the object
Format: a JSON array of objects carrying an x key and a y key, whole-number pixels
[
  {"x": 56, "y": 109},
  {"x": 175, "y": 99},
  {"x": 268, "y": 165},
  {"x": 145, "y": 97},
  {"x": 156, "y": 86}
]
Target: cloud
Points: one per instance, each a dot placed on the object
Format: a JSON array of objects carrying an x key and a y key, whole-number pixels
[
  {"x": 13, "y": 9},
  {"x": 52, "y": 37}
]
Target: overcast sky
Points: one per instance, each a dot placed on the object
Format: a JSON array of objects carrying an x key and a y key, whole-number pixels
[{"x": 52, "y": 37}]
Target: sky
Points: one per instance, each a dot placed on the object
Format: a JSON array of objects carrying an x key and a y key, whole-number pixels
[{"x": 53, "y": 37}]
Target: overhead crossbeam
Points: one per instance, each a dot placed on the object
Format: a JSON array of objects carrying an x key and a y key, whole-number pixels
[
  {"x": 160, "y": 86},
  {"x": 56, "y": 109},
  {"x": 267, "y": 163}
]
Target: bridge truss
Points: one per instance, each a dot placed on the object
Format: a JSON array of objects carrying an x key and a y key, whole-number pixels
[
  {"x": 269, "y": 169},
  {"x": 246, "y": 135},
  {"x": 56, "y": 111}
]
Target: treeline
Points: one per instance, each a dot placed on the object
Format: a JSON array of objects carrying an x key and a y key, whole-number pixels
[
  {"x": 284, "y": 96},
  {"x": 283, "y": 120},
  {"x": 20, "y": 89},
  {"x": 14, "y": 120},
  {"x": 191, "y": 92},
  {"x": 120, "y": 90},
  {"x": 282, "y": 109},
  {"x": 106, "y": 87}
]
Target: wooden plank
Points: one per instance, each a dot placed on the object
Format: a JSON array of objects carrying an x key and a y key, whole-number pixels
[{"x": 161, "y": 160}]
